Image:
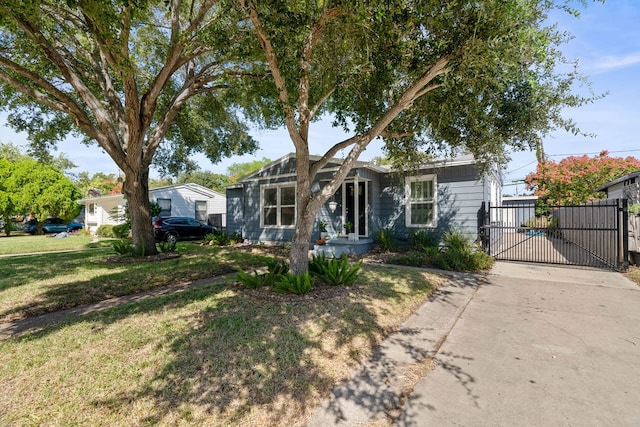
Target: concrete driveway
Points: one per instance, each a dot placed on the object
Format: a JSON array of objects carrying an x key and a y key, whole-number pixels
[{"x": 537, "y": 346}]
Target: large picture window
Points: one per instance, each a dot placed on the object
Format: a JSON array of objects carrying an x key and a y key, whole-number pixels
[
  {"x": 421, "y": 201},
  {"x": 278, "y": 205}
]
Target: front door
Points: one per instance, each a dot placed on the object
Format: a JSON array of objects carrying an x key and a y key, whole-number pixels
[{"x": 355, "y": 203}]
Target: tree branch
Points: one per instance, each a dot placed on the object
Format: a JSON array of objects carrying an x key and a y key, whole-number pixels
[
  {"x": 305, "y": 113},
  {"x": 278, "y": 79}
]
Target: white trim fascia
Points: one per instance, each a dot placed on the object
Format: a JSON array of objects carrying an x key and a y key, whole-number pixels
[
  {"x": 190, "y": 186},
  {"x": 99, "y": 199}
]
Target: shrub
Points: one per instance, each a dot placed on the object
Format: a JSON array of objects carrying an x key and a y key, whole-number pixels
[
  {"x": 422, "y": 239},
  {"x": 167, "y": 246},
  {"x": 123, "y": 247},
  {"x": 122, "y": 230},
  {"x": 295, "y": 284},
  {"x": 337, "y": 271},
  {"x": 278, "y": 267},
  {"x": 105, "y": 230},
  {"x": 275, "y": 271},
  {"x": 216, "y": 239},
  {"x": 386, "y": 238},
  {"x": 318, "y": 263},
  {"x": 412, "y": 258},
  {"x": 255, "y": 280},
  {"x": 235, "y": 238},
  {"x": 459, "y": 253}
]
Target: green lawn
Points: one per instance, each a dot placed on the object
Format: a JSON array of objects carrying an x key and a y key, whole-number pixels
[
  {"x": 214, "y": 355},
  {"x": 36, "y": 284},
  {"x": 22, "y": 244}
]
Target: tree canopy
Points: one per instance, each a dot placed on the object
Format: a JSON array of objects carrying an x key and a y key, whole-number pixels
[
  {"x": 430, "y": 77},
  {"x": 28, "y": 187},
  {"x": 575, "y": 179},
  {"x": 138, "y": 78}
]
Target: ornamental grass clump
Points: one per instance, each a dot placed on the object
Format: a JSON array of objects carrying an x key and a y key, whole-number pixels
[
  {"x": 337, "y": 271},
  {"x": 275, "y": 271},
  {"x": 459, "y": 253},
  {"x": 294, "y": 284}
]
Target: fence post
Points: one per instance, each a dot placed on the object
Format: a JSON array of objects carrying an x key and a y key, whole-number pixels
[
  {"x": 482, "y": 232},
  {"x": 623, "y": 233}
]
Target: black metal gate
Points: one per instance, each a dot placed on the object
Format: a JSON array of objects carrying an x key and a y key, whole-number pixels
[{"x": 593, "y": 235}]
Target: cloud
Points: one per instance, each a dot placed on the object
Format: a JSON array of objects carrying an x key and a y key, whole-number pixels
[{"x": 610, "y": 63}]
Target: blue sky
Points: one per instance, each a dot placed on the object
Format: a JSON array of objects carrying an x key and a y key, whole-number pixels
[{"x": 607, "y": 45}]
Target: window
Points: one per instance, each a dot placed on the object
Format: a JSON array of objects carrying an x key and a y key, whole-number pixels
[
  {"x": 278, "y": 205},
  {"x": 421, "y": 197},
  {"x": 165, "y": 206},
  {"x": 92, "y": 209},
  {"x": 201, "y": 210}
]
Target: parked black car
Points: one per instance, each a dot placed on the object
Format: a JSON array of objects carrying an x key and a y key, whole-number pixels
[{"x": 170, "y": 229}]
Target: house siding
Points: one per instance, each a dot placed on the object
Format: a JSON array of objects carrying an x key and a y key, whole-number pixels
[
  {"x": 235, "y": 210},
  {"x": 183, "y": 201},
  {"x": 460, "y": 193},
  {"x": 459, "y": 196}
]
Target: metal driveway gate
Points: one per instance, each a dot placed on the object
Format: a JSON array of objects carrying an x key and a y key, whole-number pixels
[{"x": 593, "y": 235}]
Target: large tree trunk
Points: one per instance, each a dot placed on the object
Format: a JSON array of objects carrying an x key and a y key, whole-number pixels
[
  {"x": 299, "y": 254},
  {"x": 136, "y": 190}
]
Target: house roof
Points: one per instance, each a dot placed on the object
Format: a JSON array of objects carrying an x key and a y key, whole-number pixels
[
  {"x": 619, "y": 180},
  {"x": 190, "y": 186},
  {"x": 457, "y": 161}
]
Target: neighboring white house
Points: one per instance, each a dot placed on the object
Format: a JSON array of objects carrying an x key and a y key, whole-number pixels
[{"x": 189, "y": 200}]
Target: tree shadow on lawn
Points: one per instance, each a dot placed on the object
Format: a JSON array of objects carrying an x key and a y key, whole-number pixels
[
  {"x": 122, "y": 279},
  {"x": 25, "y": 269},
  {"x": 248, "y": 361}
]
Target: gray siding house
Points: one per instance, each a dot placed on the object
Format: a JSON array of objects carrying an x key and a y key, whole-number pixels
[{"x": 440, "y": 195}]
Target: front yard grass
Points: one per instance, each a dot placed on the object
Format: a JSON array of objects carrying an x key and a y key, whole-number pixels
[
  {"x": 31, "y": 285},
  {"x": 213, "y": 355},
  {"x": 22, "y": 244}
]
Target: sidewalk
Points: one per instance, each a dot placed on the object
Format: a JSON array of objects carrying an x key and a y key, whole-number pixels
[
  {"x": 534, "y": 345},
  {"x": 380, "y": 386}
]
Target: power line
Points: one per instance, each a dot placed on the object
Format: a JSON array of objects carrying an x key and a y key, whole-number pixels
[
  {"x": 521, "y": 167},
  {"x": 598, "y": 152},
  {"x": 571, "y": 154}
]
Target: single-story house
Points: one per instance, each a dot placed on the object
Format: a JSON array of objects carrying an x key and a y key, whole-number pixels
[
  {"x": 628, "y": 187},
  {"x": 625, "y": 187},
  {"x": 517, "y": 210},
  {"x": 439, "y": 195},
  {"x": 189, "y": 200}
]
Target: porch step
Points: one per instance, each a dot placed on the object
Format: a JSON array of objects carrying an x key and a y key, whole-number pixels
[{"x": 337, "y": 247}]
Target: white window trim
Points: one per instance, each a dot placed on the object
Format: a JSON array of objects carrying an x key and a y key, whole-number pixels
[
  {"x": 278, "y": 186},
  {"x": 205, "y": 210},
  {"x": 407, "y": 204},
  {"x": 170, "y": 204}
]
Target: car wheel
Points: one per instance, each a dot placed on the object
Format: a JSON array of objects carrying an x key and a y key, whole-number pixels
[{"x": 171, "y": 237}]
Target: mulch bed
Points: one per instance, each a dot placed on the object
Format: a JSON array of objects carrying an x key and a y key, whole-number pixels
[{"x": 320, "y": 291}]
